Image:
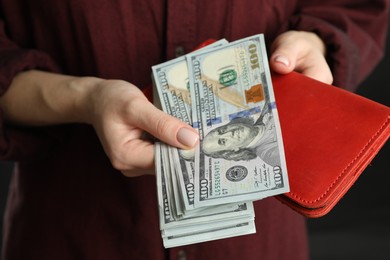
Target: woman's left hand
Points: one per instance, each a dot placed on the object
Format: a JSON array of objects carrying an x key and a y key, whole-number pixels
[{"x": 303, "y": 52}]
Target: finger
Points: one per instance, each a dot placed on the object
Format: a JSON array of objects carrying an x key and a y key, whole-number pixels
[
  {"x": 314, "y": 65},
  {"x": 283, "y": 59},
  {"x": 319, "y": 71},
  {"x": 281, "y": 64},
  {"x": 167, "y": 128},
  {"x": 138, "y": 172},
  {"x": 302, "y": 52},
  {"x": 134, "y": 156}
]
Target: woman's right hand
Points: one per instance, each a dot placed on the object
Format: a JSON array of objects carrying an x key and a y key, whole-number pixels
[
  {"x": 121, "y": 114},
  {"x": 118, "y": 110}
]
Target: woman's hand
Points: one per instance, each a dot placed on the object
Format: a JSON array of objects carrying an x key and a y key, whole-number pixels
[
  {"x": 120, "y": 114},
  {"x": 303, "y": 52}
]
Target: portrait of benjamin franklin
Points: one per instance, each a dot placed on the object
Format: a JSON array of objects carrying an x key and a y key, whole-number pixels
[{"x": 244, "y": 139}]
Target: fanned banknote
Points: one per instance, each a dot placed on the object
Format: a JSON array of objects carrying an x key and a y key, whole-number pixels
[
  {"x": 241, "y": 154},
  {"x": 172, "y": 85},
  {"x": 225, "y": 92},
  {"x": 202, "y": 225}
]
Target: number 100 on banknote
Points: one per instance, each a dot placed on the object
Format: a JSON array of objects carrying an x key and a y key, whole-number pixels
[{"x": 240, "y": 156}]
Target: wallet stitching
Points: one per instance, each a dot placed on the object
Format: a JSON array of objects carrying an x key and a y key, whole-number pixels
[{"x": 345, "y": 169}]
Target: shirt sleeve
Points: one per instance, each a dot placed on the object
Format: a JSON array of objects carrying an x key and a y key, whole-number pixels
[
  {"x": 16, "y": 142},
  {"x": 353, "y": 30}
]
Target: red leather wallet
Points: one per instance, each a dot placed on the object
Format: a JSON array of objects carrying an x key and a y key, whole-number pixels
[{"x": 330, "y": 136}]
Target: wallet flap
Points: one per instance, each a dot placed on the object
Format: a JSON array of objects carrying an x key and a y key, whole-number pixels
[{"x": 330, "y": 135}]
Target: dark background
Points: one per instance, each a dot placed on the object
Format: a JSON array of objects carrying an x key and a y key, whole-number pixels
[{"x": 359, "y": 226}]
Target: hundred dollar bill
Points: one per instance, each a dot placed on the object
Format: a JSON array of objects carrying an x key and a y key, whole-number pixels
[
  {"x": 233, "y": 229},
  {"x": 241, "y": 210},
  {"x": 210, "y": 224},
  {"x": 189, "y": 229},
  {"x": 172, "y": 181},
  {"x": 172, "y": 85},
  {"x": 241, "y": 155}
]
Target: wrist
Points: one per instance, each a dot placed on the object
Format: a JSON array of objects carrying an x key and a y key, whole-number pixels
[
  {"x": 83, "y": 90},
  {"x": 41, "y": 98}
]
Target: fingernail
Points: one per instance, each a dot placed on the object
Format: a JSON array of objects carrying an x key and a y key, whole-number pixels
[
  {"x": 187, "y": 137},
  {"x": 282, "y": 59}
]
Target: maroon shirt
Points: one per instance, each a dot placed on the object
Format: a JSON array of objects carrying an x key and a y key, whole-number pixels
[{"x": 66, "y": 201}]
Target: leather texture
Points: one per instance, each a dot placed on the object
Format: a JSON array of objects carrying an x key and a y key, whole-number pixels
[{"x": 330, "y": 136}]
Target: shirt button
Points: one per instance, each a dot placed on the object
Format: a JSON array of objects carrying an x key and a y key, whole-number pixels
[
  {"x": 181, "y": 255},
  {"x": 179, "y": 51}
]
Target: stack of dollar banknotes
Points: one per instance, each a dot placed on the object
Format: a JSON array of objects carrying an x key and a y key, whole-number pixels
[{"x": 224, "y": 91}]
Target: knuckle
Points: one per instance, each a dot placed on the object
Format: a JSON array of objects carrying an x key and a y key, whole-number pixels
[
  {"x": 329, "y": 79},
  {"x": 325, "y": 78},
  {"x": 118, "y": 165},
  {"x": 129, "y": 174},
  {"x": 162, "y": 125},
  {"x": 133, "y": 173},
  {"x": 134, "y": 105},
  {"x": 328, "y": 76}
]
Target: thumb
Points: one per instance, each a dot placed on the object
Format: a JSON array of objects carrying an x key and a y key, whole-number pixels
[
  {"x": 310, "y": 63},
  {"x": 283, "y": 59},
  {"x": 167, "y": 128}
]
